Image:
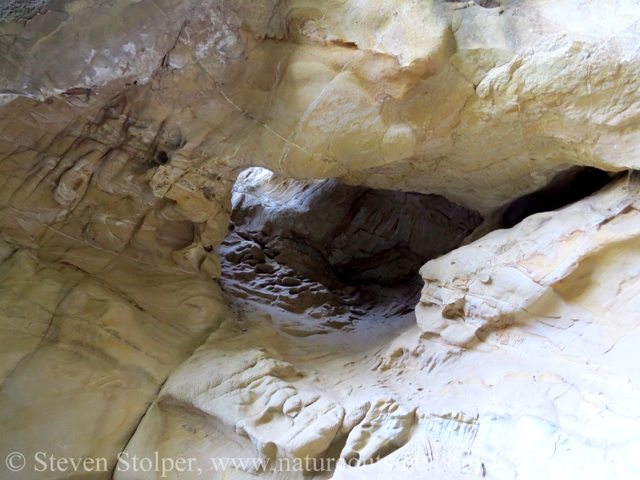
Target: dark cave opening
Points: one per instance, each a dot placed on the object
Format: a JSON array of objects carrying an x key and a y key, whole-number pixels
[
  {"x": 333, "y": 249},
  {"x": 565, "y": 188},
  {"x": 345, "y": 235},
  {"x": 325, "y": 244}
]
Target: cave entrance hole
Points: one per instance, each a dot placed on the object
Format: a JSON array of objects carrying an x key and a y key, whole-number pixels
[
  {"x": 566, "y": 187},
  {"x": 334, "y": 248}
]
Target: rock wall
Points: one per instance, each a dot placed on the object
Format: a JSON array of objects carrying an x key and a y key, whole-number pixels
[
  {"x": 540, "y": 267},
  {"x": 353, "y": 235},
  {"x": 123, "y": 127},
  {"x": 478, "y": 104},
  {"x": 519, "y": 367}
]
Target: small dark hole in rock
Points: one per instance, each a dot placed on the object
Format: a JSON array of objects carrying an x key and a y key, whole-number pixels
[{"x": 161, "y": 158}]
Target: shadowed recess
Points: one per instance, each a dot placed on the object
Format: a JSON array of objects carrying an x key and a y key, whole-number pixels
[{"x": 566, "y": 187}]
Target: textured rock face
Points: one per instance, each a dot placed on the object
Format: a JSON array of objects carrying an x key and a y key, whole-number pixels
[
  {"x": 332, "y": 250},
  {"x": 543, "y": 387},
  {"x": 86, "y": 342},
  {"x": 543, "y": 266},
  {"x": 20, "y": 9},
  {"x": 479, "y": 104},
  {"x": 123, "y": 128},
  {"x": 354, "y": 234}
]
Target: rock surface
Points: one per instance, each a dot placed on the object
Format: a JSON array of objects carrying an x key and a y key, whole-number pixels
[
  {"x": 546, "y": 265},
  {"x": 347, "y": 235},
  {"x": 123, "y": 128},
  {"x": 479, "y": 104}
]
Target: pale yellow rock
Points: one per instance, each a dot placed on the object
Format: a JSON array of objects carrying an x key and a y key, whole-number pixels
[
  {"x": 506, "y": 277},
  {"x": 123, "y": 127},
  {"x": 495, "y": 100}
]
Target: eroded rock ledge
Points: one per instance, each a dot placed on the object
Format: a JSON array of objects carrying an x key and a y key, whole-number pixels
[
  {"x": 123, "y": 128},
  {"x": 545, "y": 385}
]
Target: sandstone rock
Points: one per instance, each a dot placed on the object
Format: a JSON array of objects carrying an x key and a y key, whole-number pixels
[
  {"x": 511, "y": 276},
  {"x": 479, "y": 104},
  {"x": 356, "y": 235},
  {"x": 123, "y": 128},
  {"x": 85, "y": 347}
]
